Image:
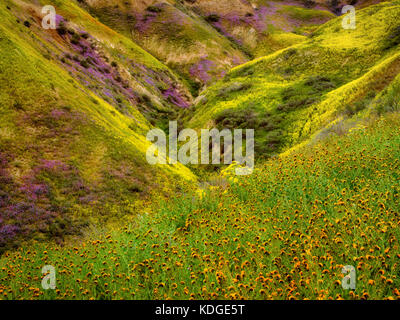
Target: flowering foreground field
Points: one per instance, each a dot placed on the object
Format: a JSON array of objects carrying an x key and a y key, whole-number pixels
[{"x": 285, "y": 232}]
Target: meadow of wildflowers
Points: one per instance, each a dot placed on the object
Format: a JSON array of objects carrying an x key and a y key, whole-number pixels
[
  {"x": 284, "y": 232},
  {"x": 80, "y": 200}
]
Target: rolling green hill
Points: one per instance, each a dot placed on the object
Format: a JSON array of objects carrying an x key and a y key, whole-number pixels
[{"x": 291, "y": 94}]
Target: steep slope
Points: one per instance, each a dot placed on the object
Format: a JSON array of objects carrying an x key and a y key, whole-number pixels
[
  {"x": 261, "y": 27},
  {"x": 69, "y": 155},
  {"x": 291, "y": 94},
  {"x": 175, "y": 35},
  {"x": 91, "y": 49}
]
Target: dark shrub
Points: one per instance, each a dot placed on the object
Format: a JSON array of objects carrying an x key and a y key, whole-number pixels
[
  {"x": 212, "y": 18},
  {"x": 130, "y": 18},
  {"x": 145, "y": 99},
  {"x": 62, "y": 29},
  {"x": 153, "y": 9},
  {"x": 309, "y": 3},
  {"x": 18, "y": 106},
  {"x": 242, "y": 72},
  {"x": 320, "y": 83},
  {"x": 290, "y": 52},
  {"x": 237, "y": 119},
  {"x": 84, "y": 63},
  {"x": 135, "y": 188},
  {"x": 75, "y": 38},
  {"x": 393, "y": 39},
  {"x": 296, "y": 104},
  {"x": 233, "y": 87}
]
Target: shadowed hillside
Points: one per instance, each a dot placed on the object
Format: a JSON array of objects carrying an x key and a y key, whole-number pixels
[{"x": 75, "y": 108}]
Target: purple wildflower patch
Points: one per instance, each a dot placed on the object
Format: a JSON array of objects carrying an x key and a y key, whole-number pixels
[
  {"x": 174, "y": 97},
  {"x": 201, "y": 70}
]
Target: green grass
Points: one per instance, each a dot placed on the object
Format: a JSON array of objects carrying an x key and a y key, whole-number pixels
[
  {"x": 276, "y": 41},
  {"x": 284, "y": 232},
  {"x": 353, "y": 64},
  {"x": 305, "y": 14},
  {"x": 48, "y": 115}
]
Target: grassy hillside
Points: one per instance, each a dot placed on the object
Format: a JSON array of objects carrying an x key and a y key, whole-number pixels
[
  {"x": 202, "y": 40},
  {"x": 291, "y": 94},
  {"x": 68, "y": 157},
  {"x": 175, "y": 35},
  {"x": 284, "y": 232},
  {"x": 261, "y": 27},
  {"x": 121, "y": 72}
]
